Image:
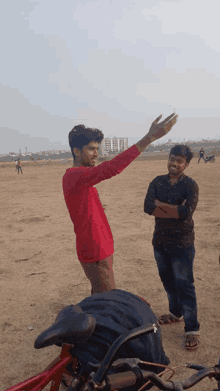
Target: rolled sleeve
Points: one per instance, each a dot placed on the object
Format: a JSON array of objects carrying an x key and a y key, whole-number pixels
[
  {"x": 149, "y": 205},
  {"x": 187, "y": 210}
]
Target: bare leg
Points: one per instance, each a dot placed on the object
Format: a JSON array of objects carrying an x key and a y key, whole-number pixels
[{"x": 100, "y": 274}]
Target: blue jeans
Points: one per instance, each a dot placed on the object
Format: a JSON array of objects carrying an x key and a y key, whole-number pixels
[
  {"x": 176, "y": 273},
  {"x": 201, "y": 157}
]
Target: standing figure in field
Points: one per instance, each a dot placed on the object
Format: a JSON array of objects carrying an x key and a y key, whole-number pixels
[
  {"x": 94, "y": 240},
  {"x": 172, "y": 199},
  {"x": 19, "y": 166},
  {"x": 201, "y": 155}
]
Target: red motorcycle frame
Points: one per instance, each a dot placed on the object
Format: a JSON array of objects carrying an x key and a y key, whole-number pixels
[{"x": 53, "y": 372}]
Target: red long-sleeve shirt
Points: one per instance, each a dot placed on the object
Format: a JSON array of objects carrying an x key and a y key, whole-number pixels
[{"x": 94, "y": 240}]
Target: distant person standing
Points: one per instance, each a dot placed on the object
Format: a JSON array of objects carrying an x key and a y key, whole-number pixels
[
  {"x": 19, "y": 166},
  {"x": 16, "y": 165},
  {"x": 201, "y": 155}
]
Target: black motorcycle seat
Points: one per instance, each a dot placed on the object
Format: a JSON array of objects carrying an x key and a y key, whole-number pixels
[{"x": 71, "y": 326}]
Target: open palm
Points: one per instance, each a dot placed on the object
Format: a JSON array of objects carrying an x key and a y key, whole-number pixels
[{"x": 160, "y": 129}]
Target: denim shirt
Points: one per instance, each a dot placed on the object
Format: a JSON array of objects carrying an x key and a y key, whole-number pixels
[{"x": 173, "y": 234}]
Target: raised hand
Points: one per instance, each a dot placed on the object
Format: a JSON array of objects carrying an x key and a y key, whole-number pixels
[
  {"x": 160, "y": 129},
  {"x": 157, "y": 130}
]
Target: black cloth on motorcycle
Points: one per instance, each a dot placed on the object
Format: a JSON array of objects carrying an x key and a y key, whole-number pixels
[{"x": 117, "y": 312}]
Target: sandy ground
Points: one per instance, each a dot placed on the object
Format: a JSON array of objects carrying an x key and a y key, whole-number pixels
[{"x": 40, "y": 273}]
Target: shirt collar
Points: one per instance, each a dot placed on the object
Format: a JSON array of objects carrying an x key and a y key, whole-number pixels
[{"x": 167, "y": 177}]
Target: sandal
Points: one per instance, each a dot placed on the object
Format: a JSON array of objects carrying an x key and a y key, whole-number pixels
[
  {"x": 169, "y": 319},
  {"x": 192, "y": 341}
]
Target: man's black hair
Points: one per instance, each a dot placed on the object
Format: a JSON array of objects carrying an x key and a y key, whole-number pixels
[
  {"x": 182, "y": 150},
  {"x": 80, "y": 136}
]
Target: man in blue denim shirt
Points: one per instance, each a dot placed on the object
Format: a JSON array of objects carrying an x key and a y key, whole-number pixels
[{"x": 172, "y": 199}]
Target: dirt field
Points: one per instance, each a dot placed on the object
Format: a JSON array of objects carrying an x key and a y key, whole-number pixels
[{"x": 40, "y": 273}]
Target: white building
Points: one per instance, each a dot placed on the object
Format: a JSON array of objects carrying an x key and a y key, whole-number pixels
[{"x": 114, "y": 144}]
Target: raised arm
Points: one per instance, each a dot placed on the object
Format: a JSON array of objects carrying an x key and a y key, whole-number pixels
[
  {"x": 77, "y": 179},
  {"x": 157, "y": 130},
  {"x": 82, "y": 177}
]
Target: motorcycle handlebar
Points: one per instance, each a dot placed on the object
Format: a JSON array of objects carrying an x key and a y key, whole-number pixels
[{"x": 128, "y": 379}]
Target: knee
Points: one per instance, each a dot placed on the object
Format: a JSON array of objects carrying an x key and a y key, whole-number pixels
[
  {"x": 165, "y": 275},
  {"x": 185, "y": 284}
]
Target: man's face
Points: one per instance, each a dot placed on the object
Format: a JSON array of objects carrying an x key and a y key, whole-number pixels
[
  {"x": 176, "y": 165},
  {"x": 87, "y": 157}
]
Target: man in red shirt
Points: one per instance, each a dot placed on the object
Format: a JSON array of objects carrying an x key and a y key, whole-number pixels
[{"x": 94, "y": 240}]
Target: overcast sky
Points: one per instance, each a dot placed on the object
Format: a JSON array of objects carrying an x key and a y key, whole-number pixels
[{"x": 111, "y": 64}]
